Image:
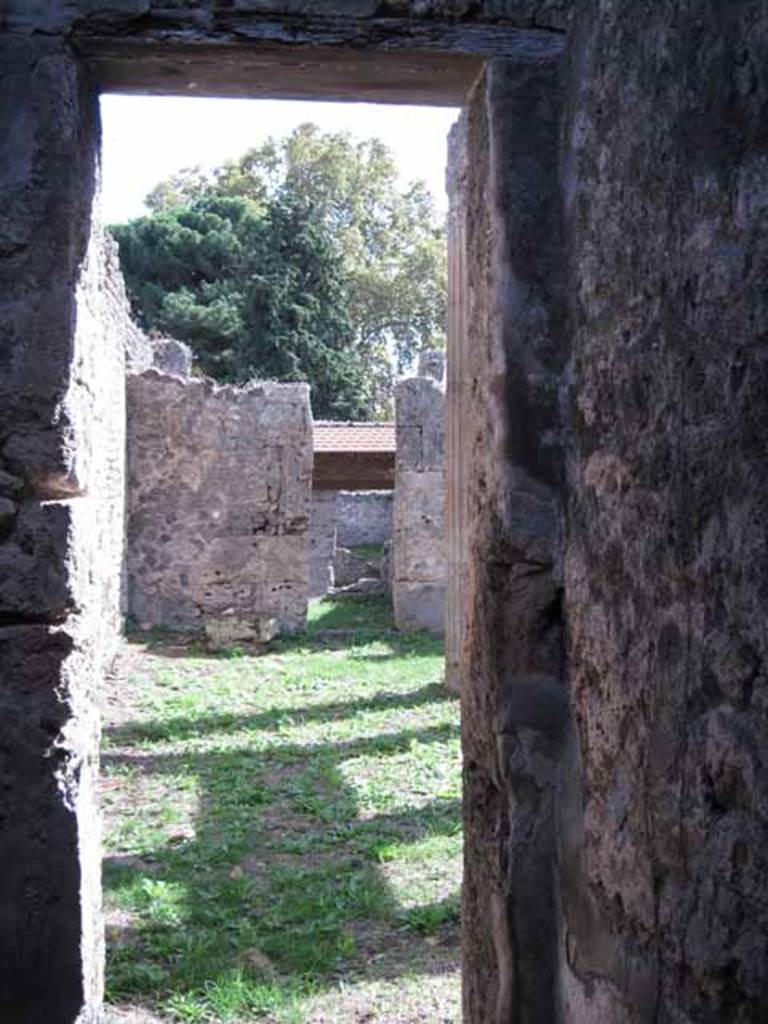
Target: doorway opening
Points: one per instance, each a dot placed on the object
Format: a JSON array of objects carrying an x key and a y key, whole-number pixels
[{"x": 281, "y": 784}]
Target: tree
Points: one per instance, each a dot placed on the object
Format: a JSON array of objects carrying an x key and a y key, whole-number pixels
[{"x": 302, "y": 260}]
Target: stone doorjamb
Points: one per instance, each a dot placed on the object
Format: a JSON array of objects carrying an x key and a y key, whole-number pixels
[{"x": 54, "y": 427}]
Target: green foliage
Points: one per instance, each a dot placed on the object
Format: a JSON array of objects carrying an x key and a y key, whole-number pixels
[{"x": 303, "y": 260}]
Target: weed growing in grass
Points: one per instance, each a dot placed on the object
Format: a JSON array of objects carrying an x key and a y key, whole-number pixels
[{"x": 284, "y": 829}]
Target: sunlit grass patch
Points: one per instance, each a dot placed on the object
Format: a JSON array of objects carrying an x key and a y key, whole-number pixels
[{"x": 360, "y": 612}]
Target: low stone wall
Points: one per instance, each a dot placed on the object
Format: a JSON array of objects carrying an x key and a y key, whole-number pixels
[
  {"x": 419, "y": 548},
  {"x": 218, "y": 509}
]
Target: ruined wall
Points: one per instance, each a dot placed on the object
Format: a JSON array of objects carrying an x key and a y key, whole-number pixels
[
  {"x": 218, "y": 505},
  {"x": 418, "y": 540},
  {"x": 63, "y": 325},
  {"x": 666, "y": 181}
]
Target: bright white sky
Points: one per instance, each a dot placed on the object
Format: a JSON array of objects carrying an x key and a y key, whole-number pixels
[{"x": 147, "y": 138}]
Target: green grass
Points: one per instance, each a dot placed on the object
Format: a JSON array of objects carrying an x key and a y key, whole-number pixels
[
  {"x": 282, "y": 828},
  {"x": 368, "y": 550},
  {"x": 363, "y": 614}
]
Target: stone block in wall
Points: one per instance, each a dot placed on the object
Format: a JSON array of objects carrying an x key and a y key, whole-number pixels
[
  {"x": 47, "y": 178},
  {"x": 432, "y": 364},
  {"x": 667, "y": 543},
  {"x": 231, "y": 629},
  {"x": 172, "y": 357},
  {"x": 419, "y": 534},
  {"x": 37, "y": 581},
  {"x": 347, "y": 8},
  {"x": 123, "y": 16},
  {"x": 419, "y": 564},
  {"x": 420, "y": 426},
  {"x": 419, "y": 606},
  {"x": 218, "y": 503},
  {"x": 506, "y": 462},
  {"x": 458, "y": 404}
]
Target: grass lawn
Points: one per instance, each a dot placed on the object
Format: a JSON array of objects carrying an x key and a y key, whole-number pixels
[
  {"x": 368, "y": 550},
  {"x": 282, "y": 830}
]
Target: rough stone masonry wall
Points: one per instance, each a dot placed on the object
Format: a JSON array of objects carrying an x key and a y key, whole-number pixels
[
  {"x": 513, "y": 695},
  {"x": 661, "y": 837},
  {"x": 418, "y": 540},
  {"x": 63, "y": 325},
  {"x": 62, "y": 15},
  {"x": 665, "y": 849},
  {"x": 218, "y": 505}
]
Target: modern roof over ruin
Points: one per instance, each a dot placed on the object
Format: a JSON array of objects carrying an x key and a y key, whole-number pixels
[{"x": 333, "y": 436}]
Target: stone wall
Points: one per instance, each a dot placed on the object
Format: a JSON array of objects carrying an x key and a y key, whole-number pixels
[
  {"x": 322, "y": 542},
  {"x": 363, "y": 517},
  {"x": 665, "y": 857},
  {"x": 614, "y": 771},
  {"x": 63, "y": 325},
  {"x": 418, "y": 542},
  {"x": 514, "y": 701},
  {"x": 63, "y": 16},
  {"x": 344, "y": 519},
  {"x": 218, "y": 505}
]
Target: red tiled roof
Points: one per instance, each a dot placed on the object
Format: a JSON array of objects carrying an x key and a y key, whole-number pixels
[{"x": 354, "y": 437}]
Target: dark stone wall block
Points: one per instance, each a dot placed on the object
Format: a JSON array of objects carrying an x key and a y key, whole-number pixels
[
  {"x": 666, "y": 183},
  {"x": 42, "y": 975},
  {"x": 514, "y": 700}
]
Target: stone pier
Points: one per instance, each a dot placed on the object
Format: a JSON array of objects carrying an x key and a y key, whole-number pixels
[{"x": 219, "y": 483}]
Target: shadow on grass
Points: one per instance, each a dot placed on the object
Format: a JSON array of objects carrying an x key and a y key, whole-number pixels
[
  {"x": 279, "y": 892},
  {"x": 184, "y": 727},
  {"x": 412, "y": 644},
  {"x": 347, "y": 624}
]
